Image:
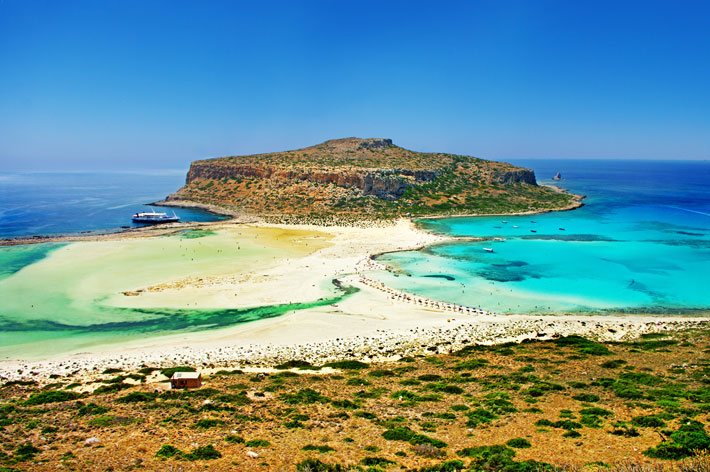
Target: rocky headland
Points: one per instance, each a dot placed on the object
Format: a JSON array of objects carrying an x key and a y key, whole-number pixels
[{"x": 371, "y": 178}]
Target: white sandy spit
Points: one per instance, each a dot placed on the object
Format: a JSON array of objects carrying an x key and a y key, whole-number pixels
[{"x": 370, "y": 325}]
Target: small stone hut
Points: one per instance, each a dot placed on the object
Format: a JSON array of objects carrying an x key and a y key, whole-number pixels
[{"x": 186, "y": 380}]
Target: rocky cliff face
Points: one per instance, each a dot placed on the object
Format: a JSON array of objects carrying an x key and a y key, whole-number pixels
[
  {"x": 517, "y": 176},
  {"x": 388, "y": 184}
]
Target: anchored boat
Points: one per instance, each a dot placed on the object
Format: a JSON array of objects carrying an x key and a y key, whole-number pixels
[{"x": 154, "y": 217}]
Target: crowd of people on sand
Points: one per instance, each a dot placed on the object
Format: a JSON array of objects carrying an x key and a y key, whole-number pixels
[{"x": 424, "y": 302}]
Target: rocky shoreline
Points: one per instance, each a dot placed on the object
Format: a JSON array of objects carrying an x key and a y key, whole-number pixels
[{"x": 384, "y": 345}]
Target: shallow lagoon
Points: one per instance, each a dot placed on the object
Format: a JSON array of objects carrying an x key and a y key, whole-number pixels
[
  {"x": 641, "y": 243},
  {"x": 67, "y": 297}
]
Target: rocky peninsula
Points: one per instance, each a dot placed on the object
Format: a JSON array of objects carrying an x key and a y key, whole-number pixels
[{"x": 355, "y": 178}]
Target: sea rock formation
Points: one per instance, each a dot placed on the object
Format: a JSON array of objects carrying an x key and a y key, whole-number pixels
[{"x": 364, "y": 177}]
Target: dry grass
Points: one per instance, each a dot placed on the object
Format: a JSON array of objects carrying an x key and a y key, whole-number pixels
[{"x": 275, "y": 415}]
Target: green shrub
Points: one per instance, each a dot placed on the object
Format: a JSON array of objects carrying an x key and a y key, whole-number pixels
[
  {"x": 347, "y": 365},
  {"x": 110, "y": 388},
  {"x": 584, "y": 346},
  {"x": 208, "y": 423},
  {"x": 296, "y": 364},
  {"x": 92, "y": 409},
  {"x": 485, "y": 452},
  {"x": 203, "y": 453},
  {"x": 626, "y": 432},
  {"x": 51, "y": 396},
  {"x": 321, "y": 449},
  {"x": 257, "y": 443},
  {"x": 688, "y": 439},
  {"x": 499, "y": 403},
  {"x": 615, "y": 364},
  {"x": 478, "y": 416},
  {"x": 234, "y": 439},
  {"x": 594, "y": 411},
  {"x": 655, "y": 344},
  {"x": 346, "y": 404},
  {"x": 26, "y": 451},
  {"x": 649, "y": 421},
  {"x": 641, "y": 378},
  {"x": 446, "y": 388},
  {"x": 586, "y": 397},
  {"x": 429, "y": 378},
  {"x": 567, "y": 424},
  {"x": 625, "y": 390},
  {"x": 518, "y": 443},
  {"x": 591, "y": 421},
  {"x": 167, "y": 451},
  {"x": 406, "y": 434}
]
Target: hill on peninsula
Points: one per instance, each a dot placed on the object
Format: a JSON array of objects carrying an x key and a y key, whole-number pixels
[{"x": 365, "y": 178}]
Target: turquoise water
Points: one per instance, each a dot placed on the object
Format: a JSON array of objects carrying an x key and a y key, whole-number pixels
[
  {"x": 60, "y": 298},
  {"x": 641, "y": 243}
]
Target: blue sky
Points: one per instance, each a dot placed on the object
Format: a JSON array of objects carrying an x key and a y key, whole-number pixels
[{"x": 157, "y": 84}]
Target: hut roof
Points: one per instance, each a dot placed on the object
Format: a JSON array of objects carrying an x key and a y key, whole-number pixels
[{"x": 185, "y": 375}]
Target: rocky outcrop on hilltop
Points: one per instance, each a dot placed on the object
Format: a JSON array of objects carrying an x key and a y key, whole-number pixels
[
  {"x": 388, "y": 184},
  {"x": 364, "y": 178}
]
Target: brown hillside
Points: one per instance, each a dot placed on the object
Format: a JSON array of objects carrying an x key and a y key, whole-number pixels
[{"x": 365, "y": 178}]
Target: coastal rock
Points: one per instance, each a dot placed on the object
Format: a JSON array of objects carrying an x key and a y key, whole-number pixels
[
  {"x": 524, "y": 176},
  {"x": 362, "y": 178}
]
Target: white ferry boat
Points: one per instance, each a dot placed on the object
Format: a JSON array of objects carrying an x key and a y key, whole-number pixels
[{"x": 154, "y": 217}]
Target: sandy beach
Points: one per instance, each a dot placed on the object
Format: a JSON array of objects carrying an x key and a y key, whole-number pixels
[{"x": 298, "y": 264}]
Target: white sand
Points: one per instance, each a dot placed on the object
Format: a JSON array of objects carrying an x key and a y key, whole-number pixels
[{"x": 368, "y": 325}]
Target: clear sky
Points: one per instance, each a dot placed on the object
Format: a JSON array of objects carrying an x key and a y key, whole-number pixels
[{"x": 156, "y": 84}]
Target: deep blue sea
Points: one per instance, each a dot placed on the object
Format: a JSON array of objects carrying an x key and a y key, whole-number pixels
[
  {"x": 63, "y": 203},
  {"x": 641, "y": 243}
]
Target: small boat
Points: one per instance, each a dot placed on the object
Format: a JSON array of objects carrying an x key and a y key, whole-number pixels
[
  {"x": 488, "y": 249},
  {"x": 533, "y": 231},
  {"x": 533, "y": 221},
  {"x": 503, "y": 221},
  {"x": 561, "y": 229},
  {"x": 516, "y": 226},
  {"x": 154, "y": 217},
  {"x": 557, "y": 176}
]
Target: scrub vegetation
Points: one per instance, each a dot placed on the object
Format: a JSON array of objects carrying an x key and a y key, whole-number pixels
[{"x": 568, "y": 404}]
